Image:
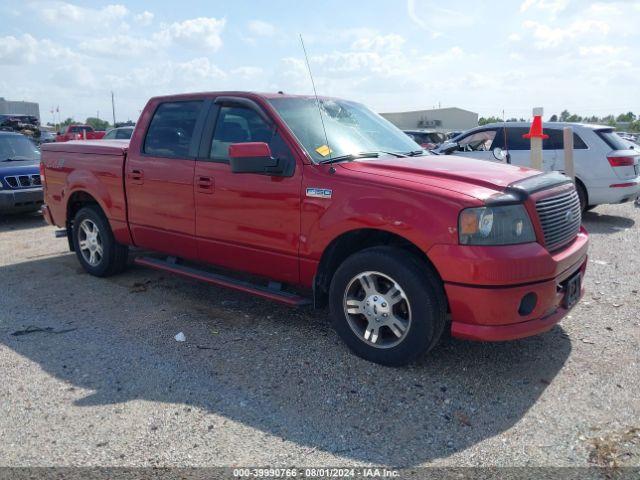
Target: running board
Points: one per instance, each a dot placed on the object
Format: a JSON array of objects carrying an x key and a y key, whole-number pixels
[{"x": 223, "y": 281}]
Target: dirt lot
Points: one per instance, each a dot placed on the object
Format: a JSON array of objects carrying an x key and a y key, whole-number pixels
[{"x": 92, "y": 375}]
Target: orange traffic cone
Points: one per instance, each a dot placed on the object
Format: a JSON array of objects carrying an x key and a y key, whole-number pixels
[{"x": 536, "y": 129}]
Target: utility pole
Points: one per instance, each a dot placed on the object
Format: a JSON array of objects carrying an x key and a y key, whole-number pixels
[{"x": 113, "y": 109}]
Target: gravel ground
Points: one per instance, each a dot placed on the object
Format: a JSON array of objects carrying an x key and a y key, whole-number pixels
[{"x": 104, "y": 383}]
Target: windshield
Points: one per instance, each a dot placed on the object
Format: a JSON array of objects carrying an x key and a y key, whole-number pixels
[
  {"x": 351, "y": 128},
  {"x": 18, "y": 147}
]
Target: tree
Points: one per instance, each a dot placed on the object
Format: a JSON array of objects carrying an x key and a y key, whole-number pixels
[
  {"x": 67, "y": 122},
  {"x": 484, "y": 121},
  {"x": 564, "y": 115},
  {"x": 626, "y": 117},
  {"x": 553, "y": 118},
  {"x": 97, "y": 123}
]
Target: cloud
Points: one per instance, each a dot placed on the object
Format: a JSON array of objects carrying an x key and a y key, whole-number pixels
[
  {"x": 145, "y": 18},
  {"x": 261, "y": 28},
  {"x": 117, "y": 46},
  {"x": 549, "y": 37},
  {"x": 27, "y": 49},
  {"x": 551, "y": 6},
  {"x": 378, "y": 42},
  {"x": 194, "y": 33},
  {"x": 247, "y": 72},
  {"x": 18, "y": 50},
  {"x": 57, "y": 13}
]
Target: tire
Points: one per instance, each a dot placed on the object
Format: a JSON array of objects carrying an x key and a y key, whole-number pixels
[
  {"x": 582, "y": 196},
  {"x": 404, "y": 312},
  {"x": 104, "y": 256}
]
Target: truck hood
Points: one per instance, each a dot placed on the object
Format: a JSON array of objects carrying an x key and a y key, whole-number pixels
[{"x": 476, "y": 178}]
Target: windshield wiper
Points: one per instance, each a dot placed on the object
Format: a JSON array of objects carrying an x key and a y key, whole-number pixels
[
  {"x": 350, "y": 157},
  {"x": 414, "y": 153}
]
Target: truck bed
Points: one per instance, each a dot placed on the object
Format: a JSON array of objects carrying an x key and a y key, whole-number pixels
[{"x": 87, "y": 167}]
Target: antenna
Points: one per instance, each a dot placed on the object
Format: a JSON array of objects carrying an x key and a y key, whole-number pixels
[{"x": 313, "y": 84}]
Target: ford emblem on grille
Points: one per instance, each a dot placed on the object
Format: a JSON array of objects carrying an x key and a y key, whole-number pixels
[{"x": 568, "y": 217}]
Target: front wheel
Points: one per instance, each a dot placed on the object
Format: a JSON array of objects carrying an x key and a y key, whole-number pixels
[
  {"x": 94, "y": 243},
  {"x": 387, "y": 306}
]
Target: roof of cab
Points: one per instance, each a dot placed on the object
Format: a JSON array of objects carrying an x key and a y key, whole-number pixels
[{"x": 265, "y": 95}]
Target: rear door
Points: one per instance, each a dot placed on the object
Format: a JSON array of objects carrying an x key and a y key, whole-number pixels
[
  {"x": 159, "y": 178},
  {"x": 247, "y": 221}
]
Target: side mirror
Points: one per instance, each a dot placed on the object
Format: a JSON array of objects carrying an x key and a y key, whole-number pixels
[
  {"x": 253, "y": 157},
  {"x": 501, "y": 155}
]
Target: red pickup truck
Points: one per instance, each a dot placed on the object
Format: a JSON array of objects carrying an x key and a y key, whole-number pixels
[
  {"x": 79, "y": 132},
  {"x": 323, "y": 201}
]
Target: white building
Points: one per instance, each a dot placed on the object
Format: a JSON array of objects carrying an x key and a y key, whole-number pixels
[
  {"x": 442, "y": 119},
  {"x": 19, "y": 108}
]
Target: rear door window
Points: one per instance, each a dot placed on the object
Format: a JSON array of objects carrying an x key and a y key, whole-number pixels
[
  {"x": 515, "y": 141},
  {"x": 171, "y": 129}
]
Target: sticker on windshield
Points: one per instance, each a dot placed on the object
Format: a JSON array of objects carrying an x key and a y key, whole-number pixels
[{"x": 324, "y": 150}]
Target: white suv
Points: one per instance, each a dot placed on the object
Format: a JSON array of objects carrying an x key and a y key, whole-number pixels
[{"x": 606, "y": 168}]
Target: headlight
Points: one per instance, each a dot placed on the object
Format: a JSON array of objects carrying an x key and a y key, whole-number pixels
[{"x": 505, "y": 225}]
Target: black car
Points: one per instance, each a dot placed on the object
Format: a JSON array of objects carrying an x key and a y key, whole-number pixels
[{"x": 20, "y": 183}]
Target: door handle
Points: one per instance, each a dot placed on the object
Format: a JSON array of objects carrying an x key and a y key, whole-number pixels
[
  {"x": 136, "y": 176},
  {"x": 205, "y": 184}
]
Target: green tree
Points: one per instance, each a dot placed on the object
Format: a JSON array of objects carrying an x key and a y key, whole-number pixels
[
  {"x": 553, "y": 118},
  {"x": 564, "y": 115},
  {"x": 484, "y": 121},
  {"x": 626, "y": 117},
  {"x": 97, "y": 123}
]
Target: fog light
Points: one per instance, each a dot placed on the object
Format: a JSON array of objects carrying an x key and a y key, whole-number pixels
[{"x": 527, "y": 304}]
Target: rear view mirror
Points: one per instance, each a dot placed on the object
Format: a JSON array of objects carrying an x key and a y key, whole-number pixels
[{"x": 253, "y": 157}]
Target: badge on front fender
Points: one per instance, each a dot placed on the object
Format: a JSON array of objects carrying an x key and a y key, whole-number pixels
[{"x": 319, "y": 192}]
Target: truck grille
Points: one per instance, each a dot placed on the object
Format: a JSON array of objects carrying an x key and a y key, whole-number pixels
[
  {"x": 560, "y": 217},
  {"x": 23, "y": 181}
]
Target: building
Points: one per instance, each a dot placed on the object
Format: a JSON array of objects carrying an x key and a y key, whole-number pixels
[
  {"x": 442, "y": 119},
  {"x": 19, "y": 108}
]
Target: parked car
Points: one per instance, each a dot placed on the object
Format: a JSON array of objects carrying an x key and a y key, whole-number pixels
[
  {"x": 606, "y": 168},
  {"x": 79, "y": 132},
  {"x": 402, "y": 246},
  {"x": 120, "y": 133},
  {"x": 427, "y": 139},
  {"x": 20, "y": 186},
  {"x": 46, "y": 136}
]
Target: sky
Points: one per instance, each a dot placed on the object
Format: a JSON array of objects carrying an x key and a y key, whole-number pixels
[{"x": 394, "y": 55}]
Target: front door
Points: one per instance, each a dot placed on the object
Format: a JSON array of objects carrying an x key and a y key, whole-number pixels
[
  {"x": 159, "y": 180},
  {"x": 246, "y": 221}
]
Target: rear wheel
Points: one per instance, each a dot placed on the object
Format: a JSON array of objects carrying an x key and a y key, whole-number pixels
[
  {"x": 94, "y": 243},
  {"x": 387, "y": 305}
]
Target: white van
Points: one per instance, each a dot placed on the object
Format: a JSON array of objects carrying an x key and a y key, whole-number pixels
[{"x": 606, "y": 168}]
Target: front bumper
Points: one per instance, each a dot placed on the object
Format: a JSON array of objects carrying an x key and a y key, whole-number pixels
[
  {"x": 28, "y": 199},
  {"x": 486, "y": 285}
]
